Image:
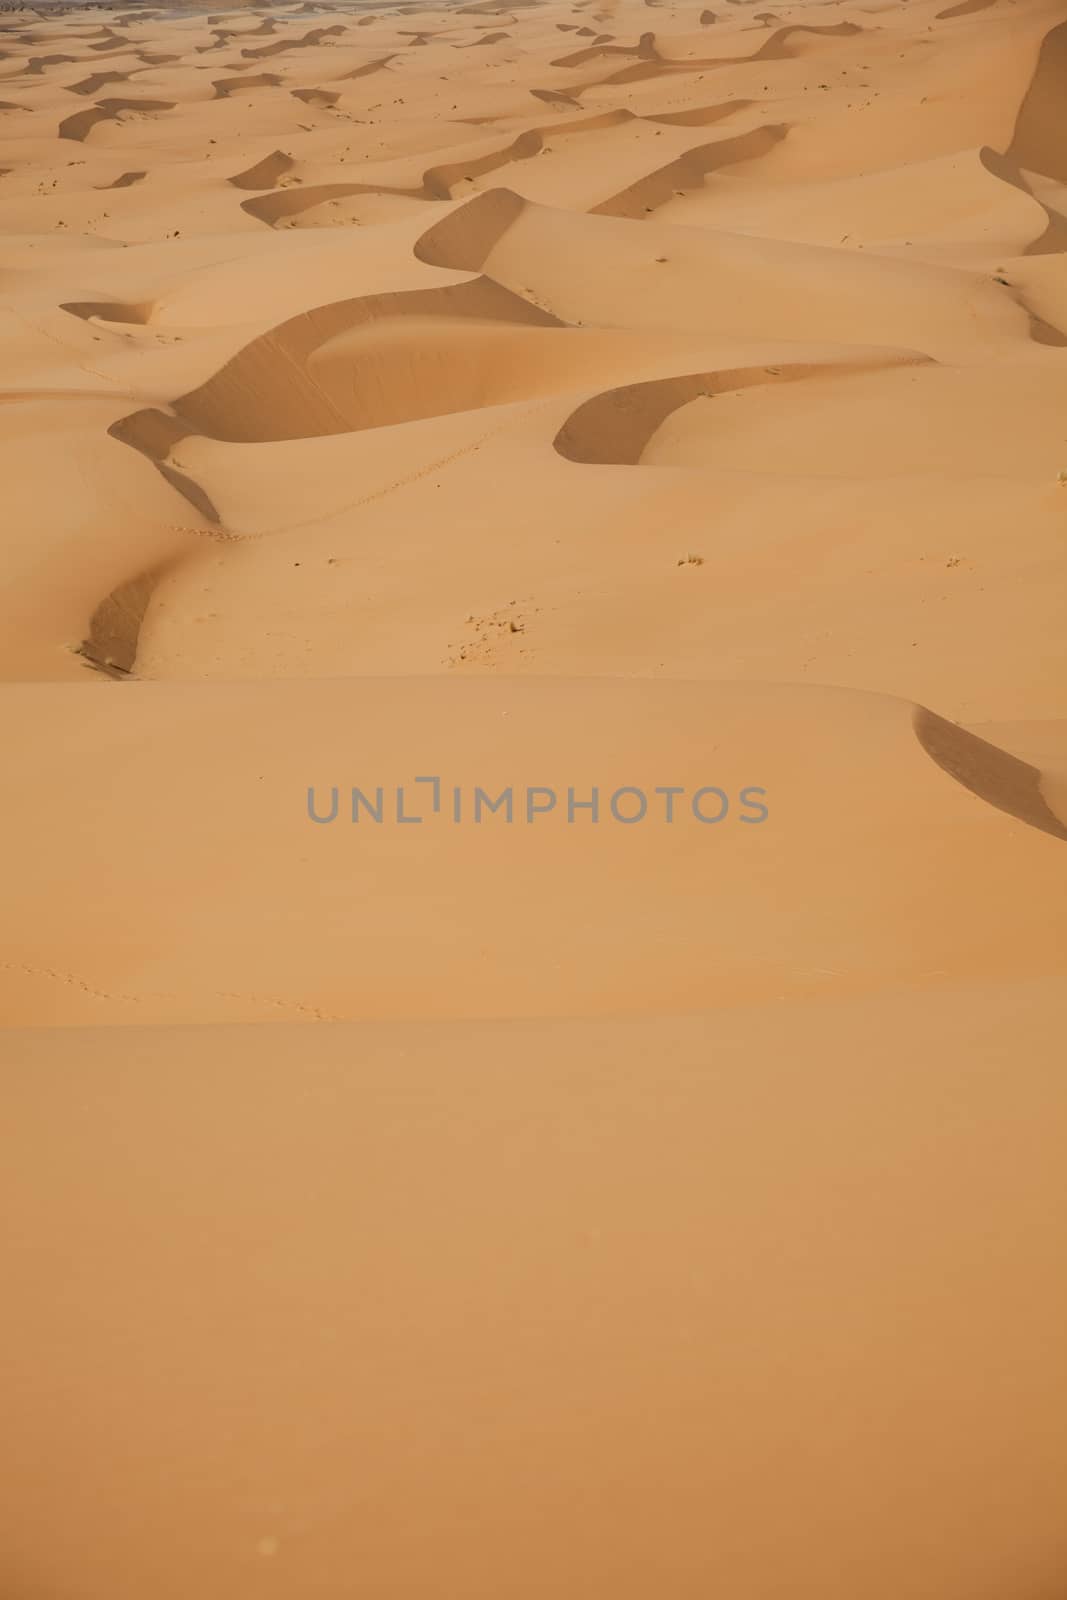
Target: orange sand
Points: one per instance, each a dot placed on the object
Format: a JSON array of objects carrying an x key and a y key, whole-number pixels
[{"x": 534, "y": 397}]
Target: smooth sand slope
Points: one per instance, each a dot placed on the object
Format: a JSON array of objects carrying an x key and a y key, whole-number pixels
[
  {"x": 761, "y": 1301},
  {"x": 466, "y": 1196}
]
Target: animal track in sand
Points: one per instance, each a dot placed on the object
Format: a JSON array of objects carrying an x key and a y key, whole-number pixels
[{"x": 494, "y": 639}]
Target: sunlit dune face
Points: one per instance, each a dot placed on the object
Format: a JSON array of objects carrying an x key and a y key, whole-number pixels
[{"x": 533, "y": 812}]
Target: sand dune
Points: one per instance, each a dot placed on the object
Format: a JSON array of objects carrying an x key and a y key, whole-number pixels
[
  {"x": 534, "y": 696},
  {"x": 922, "y": 865},
  {"x": 623, "y": 427},
  {"x": 733, "y": 284},
  {"x": 300, "y": 380},
  {"x": 1037, "y": 144},
  {"x": 81, "y": 124},
  {"x": 898, "y": 422},
  {"x": 801, "y": 1166},
  {"x": 688, "y": 172}
]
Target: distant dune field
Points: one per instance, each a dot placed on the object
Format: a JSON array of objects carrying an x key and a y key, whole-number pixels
[{"x": 533, "y": 829}]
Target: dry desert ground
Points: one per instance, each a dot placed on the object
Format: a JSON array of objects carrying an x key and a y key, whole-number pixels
[{"x": 418, "y": 426}]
